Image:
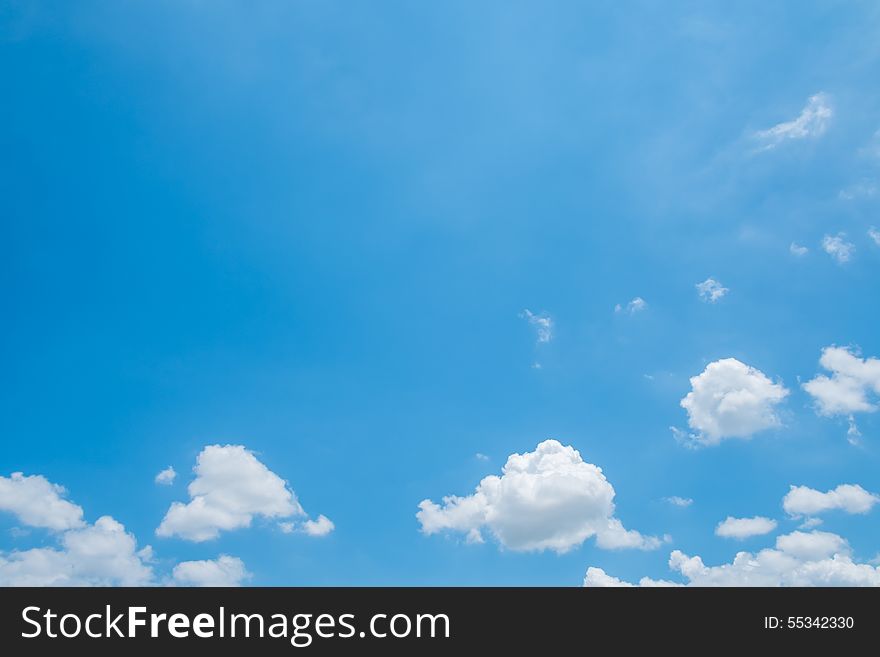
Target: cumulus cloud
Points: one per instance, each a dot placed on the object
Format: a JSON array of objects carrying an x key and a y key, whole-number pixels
[
  {"x": 36, "y": 502},
  {"x": 320, "y": 527},
  {"x": 636, "y": 305},
  {"x": 838, "y": 248},
  {"x": 166, "y": 477},
  {"x": 103, "y": 554},
  {"x": 798, "y": 559},
  {"x": 598, "y": 578},
  {"x": 846, "y": 390},
  {"x": 711, "y": 291},
  {"x": 729, "y": 399},
  {"x": 811, "y": 122},
  {"x": 231, "y": 487},
  {"x": 543, "y": 324},
  {"x": 223, "y": 571},
  {"x": 675, "y": 500},
  {"x": 742, "y": 528},
  {"x": 797, "y": 249},
  {"x": 548, "y": 499},
  {"x": 851, "y": 498}
]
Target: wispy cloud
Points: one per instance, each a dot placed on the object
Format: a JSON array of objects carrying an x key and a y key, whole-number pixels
[
  {"x": 838, "y": 248},
  {"x": 811, "y": 122},
  {"x": 543, "y": 324},
  {"x": 874, "y": 234},
  {"x": 636, "y": 305},
  {"x": 798, "y": 250},
  {"x": 711, "y": 290}
]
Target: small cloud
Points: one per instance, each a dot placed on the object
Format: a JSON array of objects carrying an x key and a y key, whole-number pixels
[
  {"x": 797, "y": 250},
  {"x": 675, "y": 500},
  {"x": 636, "y": 305},
  {"x": 711, "y": 291},
  {"x": 853, "y": 435},
  {"x": 543, "y": 324},
  {"x": 742, "y": 528},
  {"x": 838, "y": 248},
  {"x": 320, "y": 527},
  {"x": 810, "y": 523},
  {"x": 166, "y": 477},
  {"x": 811, "y": 122},
  {"x": 874, "y": 234},
  {"x": 481, "y": 457}
]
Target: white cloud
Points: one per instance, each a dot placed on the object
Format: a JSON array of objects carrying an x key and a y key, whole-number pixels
[
  {"x": 166, "y": 477},
  {"x": 230, "y": 488},
  {"x": 549, "y": 499},
  {"x": 799, "y": 559},
  {"x": 675, "y": 500},
  {"x": 874, "y": 234},
  {"x": 838, "y": 248},
  {"x": 636, "y": 305},
  {"x": 36, "y": 502},
  {"x": 846, "y": 390},
  {"x": 320, "y": 527},
  {"x": 543, "y": 324},
  {"x": 481, "y": 457},
  {"x": 812, "y": 122},
  {"x": 598, "y": 578},
  {"x": 798, "y": 250},
  {"x": 711, "y": 291},
  {"x": 851, "y": 498},
  {"x": 103, "y": 554},
  {"x": 729, "y": 399},
  {"x": 741, "y": 528},
  {"x": 224, "y": 571}
]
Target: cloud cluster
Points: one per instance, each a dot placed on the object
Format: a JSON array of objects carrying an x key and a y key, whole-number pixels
[
  {"x": 37, "y": 502},
  {"x": 798, "y": 559},
  {"x": 811, "y": 122},
  {"x": 102, "y": 554},
  {"x": 847, "y": 390},
  {"x": 231, "y": 487},
  {"x": 548, "y": 499},
  {"x": 729, "y": 399}
]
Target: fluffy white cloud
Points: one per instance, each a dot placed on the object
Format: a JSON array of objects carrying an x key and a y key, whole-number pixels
[
  {"x": 549, "y": 499},
  {"x": 729, "y": 399},
  {"x": 811, "y": 122},
  {"x": 797, "y": 249},
  {"x": 710, "y": 290},
  {"x": 838, "y": 248},
  {"x": 320, "y": 527},
  {"x": 874, "y": 234},
  {"x": 224, "y": 571},
  {"x": 231, "y": 487},
  {"x": 103, "y": 554},
  {"x": 543, "y": 324},
  {"x": 166, "y": 477},
  {"x": 741, "y": 528},
  {"x": 851, "y": 498},
  {"x": 636, "y": 305},
  {"x": 799, "y": 559},
  {"x": 846, "y": 390},
  {"x": 38, "y": 503},
  {"x": 675, "y": 500},
  {"x": 598, "y": 578}
]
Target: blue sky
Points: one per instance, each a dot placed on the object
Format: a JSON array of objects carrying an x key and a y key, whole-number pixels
[{"x": 312, "y": 229}]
